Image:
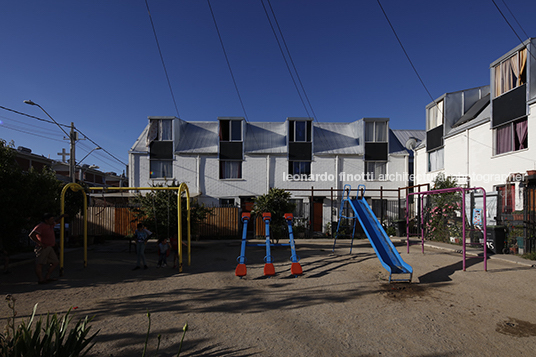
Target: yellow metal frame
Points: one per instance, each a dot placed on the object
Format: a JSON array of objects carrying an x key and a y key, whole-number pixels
[
  {"x": 74, "y": 187},
  {"x": 182, "y": 187}
]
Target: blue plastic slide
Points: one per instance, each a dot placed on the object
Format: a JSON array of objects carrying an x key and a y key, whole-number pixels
[{"x": 384, "y": 248}]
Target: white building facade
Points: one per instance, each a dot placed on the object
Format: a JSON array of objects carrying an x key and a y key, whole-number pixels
[{"x": 231, "y": 161}]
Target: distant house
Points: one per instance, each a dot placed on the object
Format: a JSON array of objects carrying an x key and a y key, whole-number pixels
[
  {"x": 84, "y": 173},
  {"x": 231, "y": 161},
  {"x": 483, "y": 135}
]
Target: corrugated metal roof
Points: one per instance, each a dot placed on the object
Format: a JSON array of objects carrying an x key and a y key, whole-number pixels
[
  {"x": 399, "y": 138},
  {"x": 141, "y": 145},
  {"x": 265, "y": 138},
  {"x": 337, "y": 138},
  {"x": 482, "y": 117},
  {"x": 199, "y": 137}
]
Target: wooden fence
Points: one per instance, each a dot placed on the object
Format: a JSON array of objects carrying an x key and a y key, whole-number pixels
[
  {"x": 223, "y": 222},
  {"x": 105, "y": 221},
  {"x": 120, "y": 221}
]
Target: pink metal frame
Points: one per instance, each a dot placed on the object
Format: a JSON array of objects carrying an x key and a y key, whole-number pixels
[{"x": 455, "y": 189}]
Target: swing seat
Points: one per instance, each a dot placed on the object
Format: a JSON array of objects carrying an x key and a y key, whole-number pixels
[
  {"x": 296, "y": 269},
  {"x": 269, "y": 269},
  {"x": 241, "y": 270}
]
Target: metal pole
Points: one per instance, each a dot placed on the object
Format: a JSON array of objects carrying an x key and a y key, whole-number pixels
[{"x": 72, "y": 158}]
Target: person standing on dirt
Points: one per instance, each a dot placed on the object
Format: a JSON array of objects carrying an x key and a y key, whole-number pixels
[
  {"x": 45, "y": 240},
  {"x": 141, "y": 236}
]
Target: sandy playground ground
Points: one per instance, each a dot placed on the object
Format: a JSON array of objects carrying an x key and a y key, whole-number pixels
[{"x": 341, "y": 306}]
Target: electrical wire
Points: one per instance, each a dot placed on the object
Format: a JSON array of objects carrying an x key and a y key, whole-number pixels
[
  {"x": 283, "y": 54},
  {"x": 51, "y": 122},
  {"x": 292, "y": 60},
  {"x": 227, "y": 60},
  {"x": 162, "y": 59},
  {"x": 405, "y": 52}
]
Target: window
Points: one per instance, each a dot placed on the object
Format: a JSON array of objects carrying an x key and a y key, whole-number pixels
[
  {"x": 511, "y": 73},
  {"x": 227, "y": 202},
  {"x": 435, "y": 160},
  {"x": 160, "y": 130},
  {"x": 375, "y": 170},
  {"x": 161, "y": 169},
  {"x": 511, "y": 137},
  {"x": 434, "y": 117},
  {"x": 375, "y": 131},
  {"x": 299, "y": 130},
  {"x": 299, "y": 211},
  {"x": 299, "y": 168},
  {"x": 230, "y": 169},
  {"x": 230, "y": 130}
]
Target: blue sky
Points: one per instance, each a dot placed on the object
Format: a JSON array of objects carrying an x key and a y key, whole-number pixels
[{"x": 96, "y": 63}]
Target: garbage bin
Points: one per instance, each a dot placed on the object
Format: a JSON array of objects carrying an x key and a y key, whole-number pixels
[{"x": 495, "y": 236}]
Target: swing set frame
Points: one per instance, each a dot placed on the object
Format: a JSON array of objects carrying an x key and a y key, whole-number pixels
[{"x": 76, "y": 187}]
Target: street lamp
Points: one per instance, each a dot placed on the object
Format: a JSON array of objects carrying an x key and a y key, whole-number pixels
[
  {"x": 72, "y": 137},
  {"x": 89, "y": 153}
]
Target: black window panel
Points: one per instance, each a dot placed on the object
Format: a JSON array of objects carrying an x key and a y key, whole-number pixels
[
  {"x": 376, "y": 151},
  {"x": 224, "y": 130},
  {"x": 509, "y": 106},
  {"x": 291, "y": 131},
  {"x": 434, "y": 138},
  {"x": 309, "y": 129},
  {"x": 161, "y": 150},
  {"x": 231, "y": 150},
  {"x": 300, "y": 151}
]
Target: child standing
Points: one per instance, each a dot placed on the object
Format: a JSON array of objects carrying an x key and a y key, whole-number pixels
[
  {"x": 163, "y": 251},
  {"x": 141, "y": 236}
]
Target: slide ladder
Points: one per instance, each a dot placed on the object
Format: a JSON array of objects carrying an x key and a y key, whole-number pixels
[{"x": 380, "y": 241}]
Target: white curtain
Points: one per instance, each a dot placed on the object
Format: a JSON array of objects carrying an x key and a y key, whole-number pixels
[
  {"x": 381, "y": 131},
  {"x": 435, "y": 160},
  {"x": 152, "y": 134}
]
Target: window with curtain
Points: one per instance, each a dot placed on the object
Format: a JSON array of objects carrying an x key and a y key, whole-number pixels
[
  {"x": 161, "y": 169},
  {"x": 230, "y": 130},
  {"x": 299, "y": 167},
  {"x": 375, "y": 131},
  {"x": 160, "y": 130},
  {"x": 511, "y": 73},
  {"x": 230, "y": 169},
  {"x": 436, "y": 160},
  {"x": 375, "y": 170},
  {"x": 299, "y": 131},
  {"x": 511, "y": 137},
  {"x": 434, "y": 115}
]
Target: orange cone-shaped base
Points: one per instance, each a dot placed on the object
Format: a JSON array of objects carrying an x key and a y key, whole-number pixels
[
  {"x": 296, "y": 269},
  {"x": 269, "y": 269},
  {"x": 241, "y": 270}
]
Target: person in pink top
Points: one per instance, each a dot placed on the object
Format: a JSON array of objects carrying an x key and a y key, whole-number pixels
[{"x": 45, "y": 240}]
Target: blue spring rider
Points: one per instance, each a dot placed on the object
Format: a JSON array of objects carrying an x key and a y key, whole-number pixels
[{"x": 269, "y": 269}]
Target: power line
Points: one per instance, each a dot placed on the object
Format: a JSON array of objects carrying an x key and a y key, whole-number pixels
[
  {"x": 227, "y": 60},
  {"x": 162, "y": 59},
  {"x": 521, "y": 27},
  {"x": 283, "y": 54},
  {"x": 68, "y": 126},
  {"x": 405, "y": 52}
]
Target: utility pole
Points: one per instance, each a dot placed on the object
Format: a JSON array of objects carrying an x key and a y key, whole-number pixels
[
  {"x": 73, "y": 136},
  {"x": 72, "y": 161}
]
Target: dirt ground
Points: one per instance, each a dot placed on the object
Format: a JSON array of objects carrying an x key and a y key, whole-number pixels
[{"x": 341, "y": 306}]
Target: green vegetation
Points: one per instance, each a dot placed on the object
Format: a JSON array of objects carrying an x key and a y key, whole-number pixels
[
  {"x": 51, "y": 338},
  {"x": 26, "y": 196},
  {"x": 442, "y": 218},
  {"x": 277, "y": 203},
  {"x": 157, "y": 210}
]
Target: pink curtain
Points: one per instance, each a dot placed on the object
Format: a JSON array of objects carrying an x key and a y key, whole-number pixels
[
  {"x": 504, "y": 139},
  {"x": 521, "y": 133}
]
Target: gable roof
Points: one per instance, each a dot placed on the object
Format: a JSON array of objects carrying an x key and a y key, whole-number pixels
[{"x": 198, "y": 137}]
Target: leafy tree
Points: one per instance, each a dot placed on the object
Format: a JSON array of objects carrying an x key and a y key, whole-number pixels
[
  {"x": 441, "y": 213},
  {"x": 157, "y": 210},
  {"x": 277, "y": 202},
  {"x": 26, "y": 196}
]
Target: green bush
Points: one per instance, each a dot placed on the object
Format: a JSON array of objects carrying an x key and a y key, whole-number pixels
[{"x": 50, "y": 338}]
